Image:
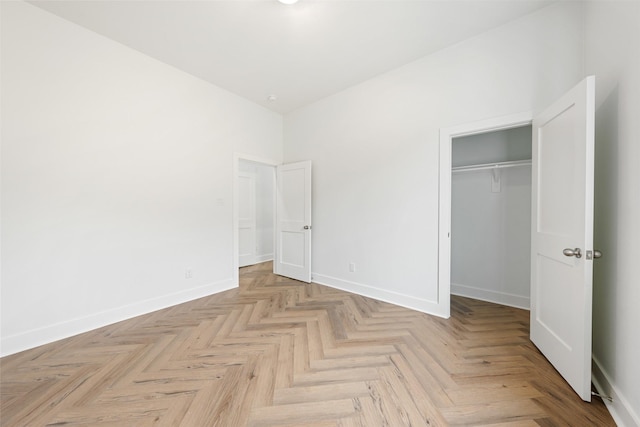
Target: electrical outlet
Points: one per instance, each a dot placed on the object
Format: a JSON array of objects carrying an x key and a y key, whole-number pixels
[
  {"x": 352, "y": 267},
  {"x": 188, "y": 274}
]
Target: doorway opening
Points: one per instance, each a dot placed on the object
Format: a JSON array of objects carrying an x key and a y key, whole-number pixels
[
  {"x": 491, "y": 216},
  {"x": 286, "y": 220},
  {"x": 256, "y": 213},
  {"x": 447, "y": 137},
  {"x": 254, "y": 206}
]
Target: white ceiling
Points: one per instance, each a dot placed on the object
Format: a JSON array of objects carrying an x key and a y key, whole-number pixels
[{"x": 300, "y": 53}]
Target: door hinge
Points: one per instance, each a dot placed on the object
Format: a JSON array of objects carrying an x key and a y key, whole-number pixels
[{"x": 609, "y": 398}]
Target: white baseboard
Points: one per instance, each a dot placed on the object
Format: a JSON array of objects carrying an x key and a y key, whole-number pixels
[
  {"x": 257, "y": 259},
  {"x": 264, "y": 258},
  {"x": 36, "y": 337},
  {"x": 620, "y": 409},
  {"x": 503, "y": 298},
  {"x": 407, "y": 301}
]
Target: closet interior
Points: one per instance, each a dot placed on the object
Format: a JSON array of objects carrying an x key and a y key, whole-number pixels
[{"x": 491, "y": 216}]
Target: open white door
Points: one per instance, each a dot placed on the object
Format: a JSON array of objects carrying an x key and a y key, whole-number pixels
[
  {"x": 562, "y": 234},
  {"x": 293, "y": 221}
]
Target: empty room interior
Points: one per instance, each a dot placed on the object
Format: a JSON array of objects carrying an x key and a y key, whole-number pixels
[{"x": 324, "y": 213}]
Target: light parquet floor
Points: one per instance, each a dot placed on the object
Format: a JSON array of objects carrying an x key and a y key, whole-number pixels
[{"x": 276, "y": 352}]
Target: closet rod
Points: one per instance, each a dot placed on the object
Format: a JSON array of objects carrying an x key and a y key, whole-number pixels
[{"x": 486, "y": 166}]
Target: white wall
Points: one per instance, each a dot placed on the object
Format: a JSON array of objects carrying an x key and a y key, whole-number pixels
[
  {"x": 117, "y": 176},
  {"x": 117, "y": 171},
  {"x": 613, "y": 55},
  {"x": 491, "y": 231},
  {"x": 375, "y": 148}
]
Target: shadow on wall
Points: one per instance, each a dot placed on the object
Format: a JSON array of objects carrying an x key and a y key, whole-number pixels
[{"x": 606, "y": 233}]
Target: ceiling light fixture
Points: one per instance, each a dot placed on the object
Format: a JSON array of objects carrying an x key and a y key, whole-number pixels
[{"x": 288, "y": 1}]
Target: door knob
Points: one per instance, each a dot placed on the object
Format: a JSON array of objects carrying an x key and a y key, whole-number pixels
[
  {"x": 307, "y": 227},
  {"x": 572, "y": 252},
  {"x": 594, "y": 254}
]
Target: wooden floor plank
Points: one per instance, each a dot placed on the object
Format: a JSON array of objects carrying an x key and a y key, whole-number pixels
[{"x": 277, "y": 352}]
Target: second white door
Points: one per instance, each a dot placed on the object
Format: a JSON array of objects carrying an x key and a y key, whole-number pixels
[{"x": 293, "y": 221}]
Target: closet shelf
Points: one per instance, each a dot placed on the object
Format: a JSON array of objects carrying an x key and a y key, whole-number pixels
[{"x": 488, "y": 166}]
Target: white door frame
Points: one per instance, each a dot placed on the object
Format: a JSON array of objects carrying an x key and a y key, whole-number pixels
[
  {"x": 444, "y": 216},
  {"x": 237, "y": 157}
]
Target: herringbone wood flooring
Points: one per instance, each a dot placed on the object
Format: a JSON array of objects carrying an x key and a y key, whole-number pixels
[{"x": 280, "y": 352}]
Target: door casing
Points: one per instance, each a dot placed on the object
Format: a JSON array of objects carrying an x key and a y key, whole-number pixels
[
  {"x": 237, "y": 157},
  {"x": 444, "y": 216}
]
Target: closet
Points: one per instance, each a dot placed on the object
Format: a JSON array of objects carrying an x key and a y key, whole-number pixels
[{"x": 491, "y": 216}]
